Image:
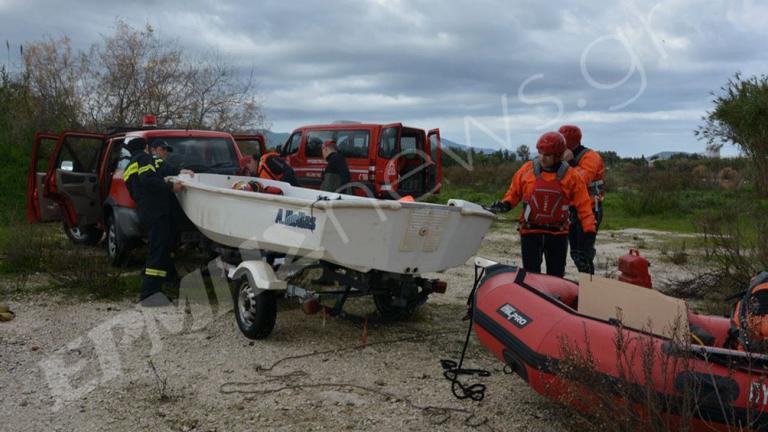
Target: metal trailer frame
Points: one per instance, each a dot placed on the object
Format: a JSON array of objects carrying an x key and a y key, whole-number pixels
[{"x": 259, "y": 278}]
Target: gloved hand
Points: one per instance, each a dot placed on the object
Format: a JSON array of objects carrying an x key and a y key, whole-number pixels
[
  {"x": 589, "y": 242},
  {"x": 500, "y": 207}
]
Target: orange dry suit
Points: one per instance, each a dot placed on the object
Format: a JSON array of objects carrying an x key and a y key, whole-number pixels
[{"x": 547, "y": 197}]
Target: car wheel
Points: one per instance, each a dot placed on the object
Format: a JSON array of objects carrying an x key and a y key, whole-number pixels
[
  {"x": 85, "y": 235},
  {"x": 117, "y": 245},
  {"x": 255, "y": 309}
]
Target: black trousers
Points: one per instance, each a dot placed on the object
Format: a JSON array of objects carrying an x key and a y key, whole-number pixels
[
  {"x": 583, "y": 259},
  {"x": 159, "y": 267},
  {"x": 554, "y": 249}
]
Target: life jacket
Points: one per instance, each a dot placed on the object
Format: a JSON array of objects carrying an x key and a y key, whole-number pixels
[
  {"x": 265, "y": 172},
  {"x": 548, "y": 206},
  {"x": 749, "y": 321},
  {"x": 254, "y": 186},
  {"x": 596, "y": 187}
]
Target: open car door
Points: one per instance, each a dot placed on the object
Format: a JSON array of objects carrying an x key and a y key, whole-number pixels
[
  {"x": 387, "y": 158},
  {"x": 436, "y": 153},
  {"x": 40, "y": 208},
  {"x": 72, "y": 178},
  {"x": 250, "y": 145}
]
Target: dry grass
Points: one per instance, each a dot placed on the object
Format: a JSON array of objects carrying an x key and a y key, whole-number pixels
[{"x": 629, "y": 401}]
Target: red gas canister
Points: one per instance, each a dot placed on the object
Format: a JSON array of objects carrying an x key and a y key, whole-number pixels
[{"x": 634, "y": 269}]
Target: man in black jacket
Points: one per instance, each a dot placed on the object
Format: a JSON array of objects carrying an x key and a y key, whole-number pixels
[
  {"x": 153, "y": 205},
  {"x": 336, "y": 174}
]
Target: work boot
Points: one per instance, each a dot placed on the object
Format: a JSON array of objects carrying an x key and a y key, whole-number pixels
[
  {"x": 7, "y": 316},
  {"x": 158, "y": 299},
  {"x": 4, "y": 308}
]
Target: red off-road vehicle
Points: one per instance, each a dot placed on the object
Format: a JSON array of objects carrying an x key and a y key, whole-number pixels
[
  {"x": 77, "y": 178},
  {"x": 385, "y": 161}
]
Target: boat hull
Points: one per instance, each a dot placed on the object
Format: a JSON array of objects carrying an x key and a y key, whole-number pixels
[
  {"x": 529, "y": 322},
  {"x": 354, "y": 232}
]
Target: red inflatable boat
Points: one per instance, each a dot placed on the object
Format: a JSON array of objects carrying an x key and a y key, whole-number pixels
[{"x": 524, "y": 319}]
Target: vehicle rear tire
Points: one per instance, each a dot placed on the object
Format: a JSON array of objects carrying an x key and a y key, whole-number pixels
[
  {"x": 255, "y": 309},
  {"x": 85, "y": 235},
  {"x": 400, "y": 303},
  {"x": 118, "y": 249}
]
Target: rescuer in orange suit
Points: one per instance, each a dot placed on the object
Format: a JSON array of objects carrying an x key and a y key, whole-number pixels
[
  {"x": 548, "y": 187},
  {"x": 589, "y": 164}
]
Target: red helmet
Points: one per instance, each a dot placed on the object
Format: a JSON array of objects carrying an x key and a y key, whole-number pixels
[
  {"x": 572, "y": 135},
  {"x": 551, "y": 143}
]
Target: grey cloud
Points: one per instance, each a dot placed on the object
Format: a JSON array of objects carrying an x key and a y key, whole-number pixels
[{"x": 446, "y": 60}]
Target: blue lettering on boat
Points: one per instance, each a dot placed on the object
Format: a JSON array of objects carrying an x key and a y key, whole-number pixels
[{"x": 295, "y": 219}]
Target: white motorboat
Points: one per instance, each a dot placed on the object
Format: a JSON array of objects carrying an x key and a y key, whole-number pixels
[{"x": 351, "y": 231}]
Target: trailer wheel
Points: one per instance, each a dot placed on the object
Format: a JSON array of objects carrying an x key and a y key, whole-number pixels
[
  {"x": 255, "y": 309},
  {"x": 399, "y": 303}
]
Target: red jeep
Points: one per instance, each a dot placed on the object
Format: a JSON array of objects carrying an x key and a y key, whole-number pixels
[
  {"x": 385, "y": 161},
  {"x": 77, "y": 178}
]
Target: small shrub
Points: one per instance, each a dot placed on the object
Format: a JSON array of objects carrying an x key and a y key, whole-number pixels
[{"x": 736, "y": 242}]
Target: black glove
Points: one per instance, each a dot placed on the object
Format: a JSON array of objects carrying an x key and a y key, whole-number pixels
[
  {"x": 589, "y": 242},
  {"x": 500, "y": 207}
]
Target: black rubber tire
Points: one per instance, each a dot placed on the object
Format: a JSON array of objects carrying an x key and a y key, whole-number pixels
[
  {"x": 118, "y": 247},
  {"x": 87, "y": 235},
  {"x": 398, "y": 304},
  {"x": 262, "y": 306}
]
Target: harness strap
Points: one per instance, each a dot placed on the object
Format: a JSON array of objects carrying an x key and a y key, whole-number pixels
[
  {"x": 561, "y": 170},
  {"x": 577, "y": 157}
]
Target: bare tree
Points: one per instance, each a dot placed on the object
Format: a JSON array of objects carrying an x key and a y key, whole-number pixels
[
  {"x": 57, "y": 79},
  {"x": 131, "y": 73}
]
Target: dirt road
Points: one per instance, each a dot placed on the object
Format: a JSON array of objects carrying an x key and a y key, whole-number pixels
[{"x": 66, "y": 365}]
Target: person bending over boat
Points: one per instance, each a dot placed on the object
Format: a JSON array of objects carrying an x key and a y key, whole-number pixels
[
  {"x": 589, "y": 164},
  {"x": 250, "y": 166},
  {"x": 273, "y": 167},
  {"x": 336, "y": 174},
  {"x": 153, "y": 205},
  {"x": 548, "y": 187}
]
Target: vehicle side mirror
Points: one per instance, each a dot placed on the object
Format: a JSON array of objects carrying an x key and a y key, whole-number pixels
[{"x": 67, "y": 166}]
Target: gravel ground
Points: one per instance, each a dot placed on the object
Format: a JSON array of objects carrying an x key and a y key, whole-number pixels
[{"x": 91, "y": 366}]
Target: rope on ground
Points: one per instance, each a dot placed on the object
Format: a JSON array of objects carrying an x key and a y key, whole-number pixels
[
  {"x": 437, "y": 415},
  {"x": 453, "y": 369}
]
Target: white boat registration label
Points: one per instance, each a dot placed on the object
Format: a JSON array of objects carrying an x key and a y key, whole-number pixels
[
  {"x": 514, "y": 316},
  {"x": 296, "y": 219}
]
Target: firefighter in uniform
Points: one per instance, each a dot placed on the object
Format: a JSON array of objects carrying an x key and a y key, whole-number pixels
[
  {"x": 589, "y": 164},
  {"x": 273, "y": 167},
  {"x": 153, "y": 205},
  {"x": 160, "y": 149},
  {"x": 336, "y": 176},
  {"x": 548, "y": 187}
]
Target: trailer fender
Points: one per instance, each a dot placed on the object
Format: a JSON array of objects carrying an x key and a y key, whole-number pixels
[{"x": 260, "y": 275}]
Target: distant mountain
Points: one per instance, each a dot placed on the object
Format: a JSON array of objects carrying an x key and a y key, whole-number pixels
[
  {"x": 666, "y": 155},
  {"x": 452, "y": 144},
  {"x": 275, "y": 139}
]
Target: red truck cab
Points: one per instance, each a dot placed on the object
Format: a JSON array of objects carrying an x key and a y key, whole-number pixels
[
  {"x": 77, "y": 178},
  {"x": 385, "y": 160}
]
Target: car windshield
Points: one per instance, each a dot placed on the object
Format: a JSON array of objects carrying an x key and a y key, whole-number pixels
[{"x": 215, "y": 155}]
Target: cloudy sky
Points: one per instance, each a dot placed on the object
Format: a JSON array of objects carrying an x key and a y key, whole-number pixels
[{"x": 635, "y": 75}]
